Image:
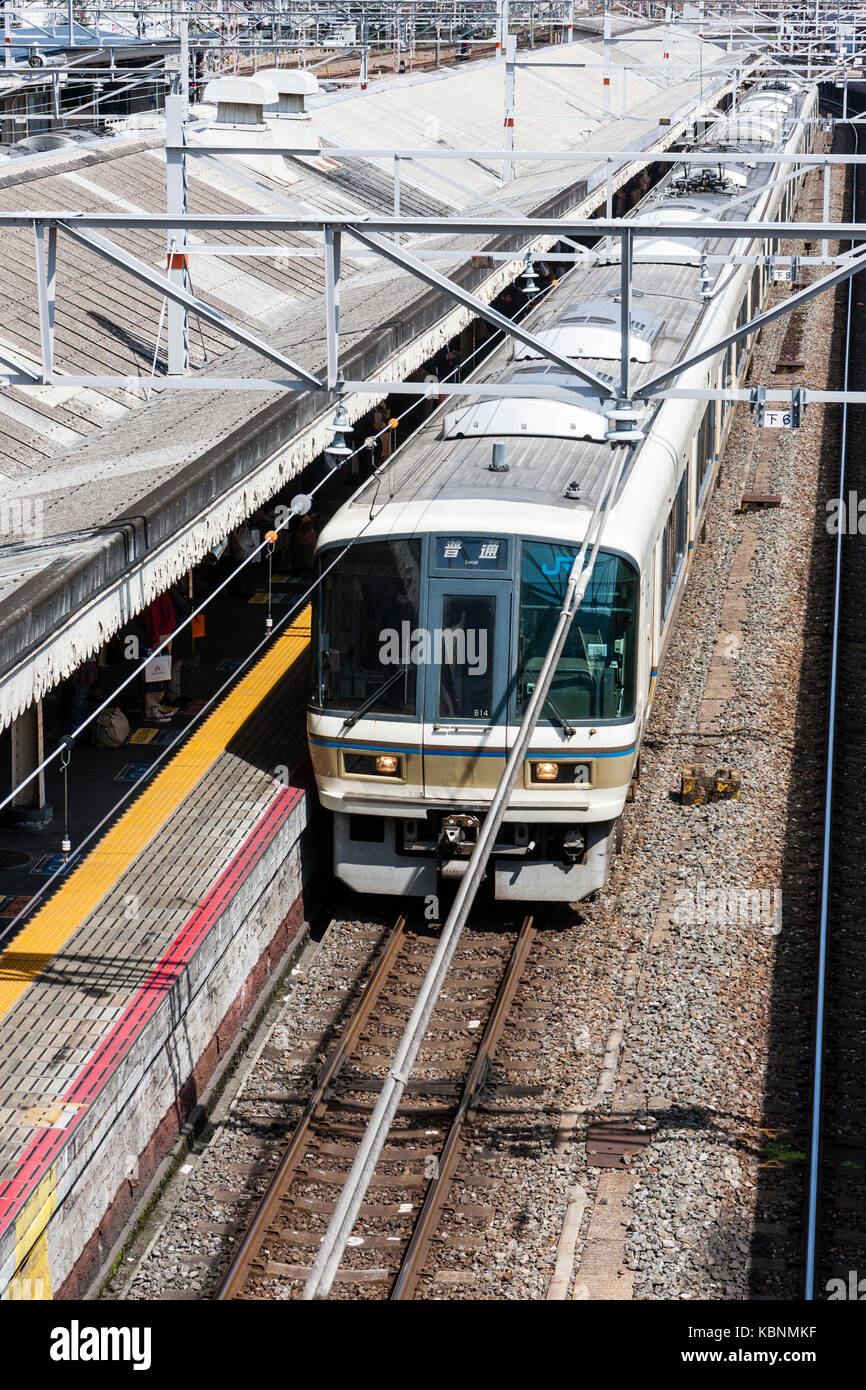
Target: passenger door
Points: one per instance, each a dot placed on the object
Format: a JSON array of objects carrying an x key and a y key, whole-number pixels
[{"x": 466, "y": 675}]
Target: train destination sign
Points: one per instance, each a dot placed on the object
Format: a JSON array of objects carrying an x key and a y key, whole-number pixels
[{"x": 471, "y": 553}]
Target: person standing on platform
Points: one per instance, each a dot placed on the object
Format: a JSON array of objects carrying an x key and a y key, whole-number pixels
[
  {"x": 181, "y": 644},
  {"x": 158, "y": 621}
]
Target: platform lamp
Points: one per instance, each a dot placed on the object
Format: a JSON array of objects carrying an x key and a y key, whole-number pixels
[
  {"x": 65, "y": 754},
  {"x": 338, "y": 450},
  {"x": 530, "y": 284},
  {"x": 271, "y": 540}
]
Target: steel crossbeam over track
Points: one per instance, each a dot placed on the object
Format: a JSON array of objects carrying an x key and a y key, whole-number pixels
[
  {"x": 530, "y": 236},
  {"x": 375, "y": 234}
]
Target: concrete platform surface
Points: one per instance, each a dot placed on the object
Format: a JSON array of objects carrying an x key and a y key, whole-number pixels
[{"x": 119, "y": 995}]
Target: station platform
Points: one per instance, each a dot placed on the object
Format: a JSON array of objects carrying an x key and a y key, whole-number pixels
[
  {"x": 123, "y": 991},
  {"x": 99, "y": 778}
]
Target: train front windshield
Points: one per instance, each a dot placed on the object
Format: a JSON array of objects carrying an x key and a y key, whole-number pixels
[
  {"x": 368, "y": 602},
  {"x": 368, "y": 619},
  {"x": 595, "y": 677}
]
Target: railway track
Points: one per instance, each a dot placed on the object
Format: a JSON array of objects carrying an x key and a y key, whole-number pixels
[
  {"x": 391, "y": 1244},
  {"x": 381, "y": 63},
  {"x": 836, "y": 1213}
]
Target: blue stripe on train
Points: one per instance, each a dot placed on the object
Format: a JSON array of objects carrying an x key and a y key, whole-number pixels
[{"x": 453, "y": 752}]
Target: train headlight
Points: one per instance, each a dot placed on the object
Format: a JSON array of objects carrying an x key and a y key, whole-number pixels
[
  {"x": 372, "y": 765},
  {"x": 546, "y": 772},
  {"x": 566, "y": 773}
]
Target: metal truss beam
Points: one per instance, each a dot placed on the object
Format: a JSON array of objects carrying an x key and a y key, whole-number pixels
[
  {"x": 46, "y": 283},
  {"x": 850, "y": 266},
  {"x": 333, "y": 239},
  {"x": 626, "y": 268},
  {"x": 500, "y": 390},
  {"x": 456, "y": 292},
  {"x": 23, "y": 375},
  {"x": 557, "y": 229},
  {"x": 628, "y": 233},
  {"x": 585, "y": 257},
  {"x": 110, "y": 251},
  {"x": 650, "y": 155}
]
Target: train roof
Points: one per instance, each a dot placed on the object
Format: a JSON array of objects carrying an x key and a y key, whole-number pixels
[
  {"x": 555, "y": 452},
  {"x": 546, "y": 450}
]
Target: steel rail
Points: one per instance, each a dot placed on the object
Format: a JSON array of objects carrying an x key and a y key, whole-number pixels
[
  {"x": 238, "y": 1271},
  {"x": 437, "y": 1193},
  {"x": 330, "y": 1252},
  {"x": 814, "y": 1185}
]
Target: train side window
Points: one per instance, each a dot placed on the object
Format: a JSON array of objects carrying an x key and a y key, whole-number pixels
[
  {"x": 706, "y": 446},
  {"x": 674, "y": 540}
]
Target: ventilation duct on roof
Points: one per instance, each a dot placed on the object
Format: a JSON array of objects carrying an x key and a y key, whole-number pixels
[
  {"x": 745, "y": 130},
  {"x": 292, "y": 86},
  {"x": 686, "y": 250},
  {"x": 777, "y": 103},
  {"x": 240, "y": 101},
  {"x": 294, "y": 123},
  {"x": 41, "y": 144},
  {"x": 240, "y": 119},
  {"x": 533, "y": 417}
]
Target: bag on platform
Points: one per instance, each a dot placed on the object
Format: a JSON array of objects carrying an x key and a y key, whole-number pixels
[
  {"x": 158, "y": 668},
  {"x": 112, "y": 728}
]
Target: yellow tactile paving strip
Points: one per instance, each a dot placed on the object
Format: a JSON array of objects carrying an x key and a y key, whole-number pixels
[{"x": 51, "y": 927}]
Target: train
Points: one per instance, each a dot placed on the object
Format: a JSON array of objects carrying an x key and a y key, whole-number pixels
[{"x": 443, "y": 575}]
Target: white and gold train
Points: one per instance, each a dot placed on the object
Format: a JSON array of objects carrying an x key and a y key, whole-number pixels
[{"x": 431, "y": 629}]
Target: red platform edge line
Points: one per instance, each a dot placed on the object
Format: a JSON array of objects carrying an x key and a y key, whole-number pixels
[{"x": 41, "y": 1151}]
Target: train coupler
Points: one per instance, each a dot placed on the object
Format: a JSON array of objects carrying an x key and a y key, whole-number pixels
[{"x": 455, "y": 837}]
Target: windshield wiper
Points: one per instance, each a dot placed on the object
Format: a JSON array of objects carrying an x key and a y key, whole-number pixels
[
  {"x": 371, "y": 699},
  {"x": 568, "y": 729}
]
